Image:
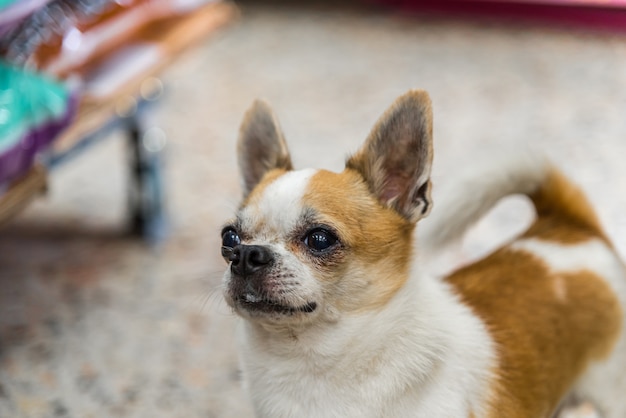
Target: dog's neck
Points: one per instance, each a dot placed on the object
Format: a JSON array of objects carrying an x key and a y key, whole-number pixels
[
  {"x": 420, "y": 322},
  {"x": 422, "y": 333}
]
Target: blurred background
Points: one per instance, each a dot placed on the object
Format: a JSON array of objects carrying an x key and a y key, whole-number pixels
[{"x": 112, "y": 197}]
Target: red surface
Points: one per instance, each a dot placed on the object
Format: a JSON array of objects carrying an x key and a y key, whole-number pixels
[{"x": 604, "y": 15}]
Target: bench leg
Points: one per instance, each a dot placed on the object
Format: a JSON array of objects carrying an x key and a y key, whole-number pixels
[{"x": 146, "y": 198}]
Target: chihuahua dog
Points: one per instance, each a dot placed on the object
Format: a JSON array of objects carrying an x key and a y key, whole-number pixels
[{"x": 340, "y": 321}]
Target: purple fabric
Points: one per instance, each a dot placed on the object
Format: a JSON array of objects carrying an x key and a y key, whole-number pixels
[{"x": 16, "y": 161}]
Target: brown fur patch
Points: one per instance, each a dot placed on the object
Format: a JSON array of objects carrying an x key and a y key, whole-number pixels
[
  {"x": 376, "y": 239},
  {"x": 552, "y": 228},
  {"x": 564, "y": 212},
  {"x": 545, "y": 336},
  {"x": 547, "y": 325}
]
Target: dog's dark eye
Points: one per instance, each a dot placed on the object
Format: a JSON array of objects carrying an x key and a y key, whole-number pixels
[
  {"x": 230, "y": 240},
  {"x": 320, "y": 240}
]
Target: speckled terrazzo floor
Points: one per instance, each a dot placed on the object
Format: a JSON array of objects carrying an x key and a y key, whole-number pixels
[{"x": 95, "y": 324}]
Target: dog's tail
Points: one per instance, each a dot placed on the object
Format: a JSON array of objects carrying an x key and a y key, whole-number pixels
[{"x": 464, "y": 203}]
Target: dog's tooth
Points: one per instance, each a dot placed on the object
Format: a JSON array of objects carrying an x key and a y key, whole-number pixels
[{"x": 252, "y": 298}]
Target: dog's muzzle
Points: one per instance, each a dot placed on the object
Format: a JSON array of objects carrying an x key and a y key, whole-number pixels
[{"x": 252, "y": 287}]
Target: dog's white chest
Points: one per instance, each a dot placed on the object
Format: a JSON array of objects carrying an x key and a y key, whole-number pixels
[
  {"x": 276, "y": 394},
  {"x": 400, "y": 364}
]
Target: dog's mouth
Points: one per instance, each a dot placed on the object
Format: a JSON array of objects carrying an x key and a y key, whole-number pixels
[{"x": 256, "y": 304}]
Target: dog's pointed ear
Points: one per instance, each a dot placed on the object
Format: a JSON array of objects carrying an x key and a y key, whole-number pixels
[
  {"x": 396, "y": 159},
  {"x": 261, "y": 146}
]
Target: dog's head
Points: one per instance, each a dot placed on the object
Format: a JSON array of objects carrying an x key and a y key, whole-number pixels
[{"x": 309, "y": 245}]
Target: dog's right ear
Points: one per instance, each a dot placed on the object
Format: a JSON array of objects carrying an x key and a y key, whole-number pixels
[{"x": 261, "y": 146}]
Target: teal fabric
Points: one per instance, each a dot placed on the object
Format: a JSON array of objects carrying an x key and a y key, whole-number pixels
[
  {"x": 27, "y": 100},
  {"x": 6, "y": 3}
]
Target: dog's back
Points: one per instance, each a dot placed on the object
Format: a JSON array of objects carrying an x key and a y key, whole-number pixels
[{"x": 553, "y": 299}]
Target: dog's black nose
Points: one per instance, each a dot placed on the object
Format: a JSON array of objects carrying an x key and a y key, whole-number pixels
[{"x": 248, "y": 259}]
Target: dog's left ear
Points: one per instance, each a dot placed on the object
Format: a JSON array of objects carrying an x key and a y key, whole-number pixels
[
  {"x": 261, "y": 146},
  {"x": 396, "y": 158}
]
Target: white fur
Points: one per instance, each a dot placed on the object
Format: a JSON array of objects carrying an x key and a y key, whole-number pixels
[
  {"x": 476, "y": 190},
  {"x": 279, "y": 207},
  {"x": 593, "y": 255},
  {"x": 423, "y": 355}
]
